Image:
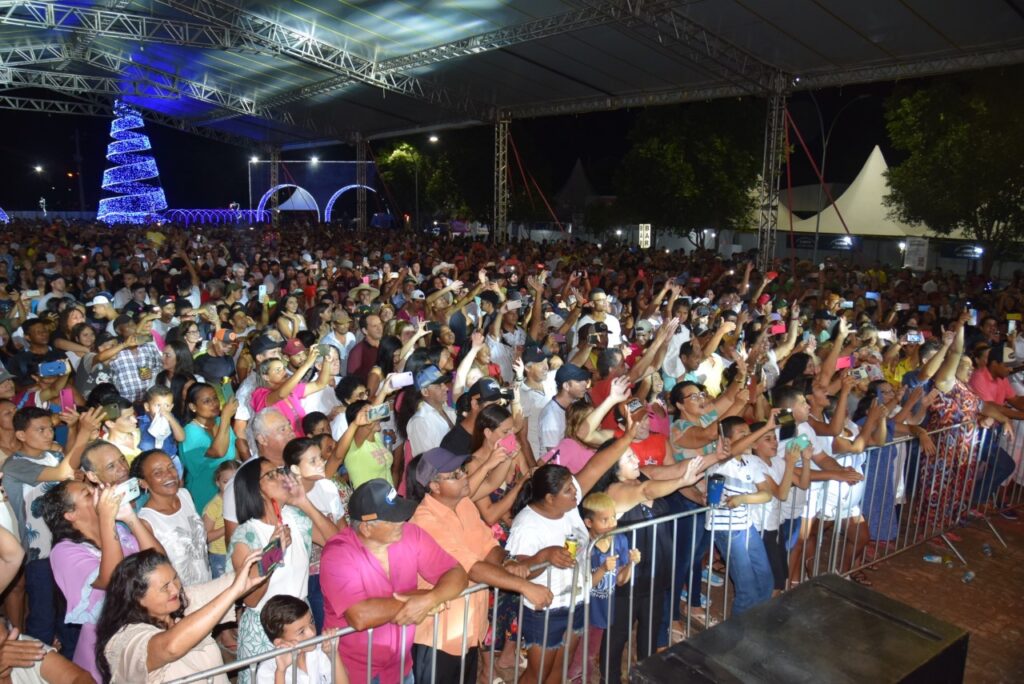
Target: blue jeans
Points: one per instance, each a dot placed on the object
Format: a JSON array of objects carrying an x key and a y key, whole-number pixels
[
  {"x": 995, "y": 466},
  {"x": 749, "y": 570},
  {"x": 315, "y": 599},
  {"x": 692, "y": 542},
  {"x": 218, "y": 564},
  {"x": 43, "y": 622}
]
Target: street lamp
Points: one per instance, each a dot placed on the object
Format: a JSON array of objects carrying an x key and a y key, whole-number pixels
[
  {"x": 824, "y": 152},
  {"x": 433, "y": 138},
  {"x": 37, "y": 168}
]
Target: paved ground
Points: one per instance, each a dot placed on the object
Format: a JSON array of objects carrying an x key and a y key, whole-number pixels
[{"x": 991, "y": 607}]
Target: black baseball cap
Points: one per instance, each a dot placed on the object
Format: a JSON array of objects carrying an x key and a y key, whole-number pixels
[
  {"x": 569, "y": 372},
  {"x": 487, "y": 389},
  {"x": 378, "y": 500},
  {"x": 263, "y": 344},
  {"x": 535, "y": 354}
]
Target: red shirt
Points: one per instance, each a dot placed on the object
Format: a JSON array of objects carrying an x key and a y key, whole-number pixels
[
  {"x": 990, "y": 389},
  {"x": 349, "y": 574},
  {"x": 599, "y": 391}
]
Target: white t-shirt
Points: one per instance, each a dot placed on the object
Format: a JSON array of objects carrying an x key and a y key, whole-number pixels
[
  {"x": 672, "y": 366},
  {"x": 532, "y": 532},
  {"x": 843, "y": 499},
  {"x": 533, "y": 403},
  {"x": 318, "y": 670},
  {"x": 551, "y": 426},
  {"x": 427, "y": 427},
  {"x": 614, "y": 329},
  {"x": 742, "y": 475},
  {"x": 795, "y": 505},
  {"x": 183, "y": 537},
  {"x": 767, "y": 516},
  {"x": 326, "y": 498}
]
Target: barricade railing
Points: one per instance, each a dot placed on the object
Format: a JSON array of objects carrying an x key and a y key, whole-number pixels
[{"x": 909, "y": 494}]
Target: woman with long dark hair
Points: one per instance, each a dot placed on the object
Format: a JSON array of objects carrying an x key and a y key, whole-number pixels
[
  {"x": 495, "y": 473},
  {"x": 547, "y": 522},
  {"x": 272, "y": 506},
  {"x": 177, "y": 358},
  {"x": 150, "y": 631},
  {"x": 388, "y": 361},
  {"x": 93, "y": 531}
]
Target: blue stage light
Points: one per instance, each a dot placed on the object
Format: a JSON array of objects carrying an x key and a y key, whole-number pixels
[
  {"x": 137, "y": 200},
  {"x": 4, "y": 218}
]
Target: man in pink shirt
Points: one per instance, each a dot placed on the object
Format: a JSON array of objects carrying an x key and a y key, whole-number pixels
[
  {"x": 991, "y": 383},
  {"x": 368, "y": 573}
]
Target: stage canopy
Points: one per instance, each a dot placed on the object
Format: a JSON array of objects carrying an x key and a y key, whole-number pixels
[{"x": 297, "y": 73}]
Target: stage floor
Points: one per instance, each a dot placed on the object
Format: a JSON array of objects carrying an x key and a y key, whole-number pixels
[{"x": 990, "y": 607}]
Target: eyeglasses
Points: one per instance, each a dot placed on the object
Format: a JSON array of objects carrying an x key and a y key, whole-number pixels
[
  {"x": 456, "y": 474},
  {"x": 276, "y": 474},
  {"x": 695, "y": 395}
]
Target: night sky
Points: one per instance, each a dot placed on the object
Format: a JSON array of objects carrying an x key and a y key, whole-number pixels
[{"x": 196, "y": 172}]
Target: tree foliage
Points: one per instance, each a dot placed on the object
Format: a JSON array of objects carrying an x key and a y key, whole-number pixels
[
  {"x": 964, "y": 145},
  {"x": 692, "y": 167}
]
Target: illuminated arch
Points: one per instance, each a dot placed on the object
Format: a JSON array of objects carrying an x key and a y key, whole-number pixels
[
  {"x": 339, "y": 193},
  {"x": 217, "y": 216},
  {"x": 269, "y": 193}
]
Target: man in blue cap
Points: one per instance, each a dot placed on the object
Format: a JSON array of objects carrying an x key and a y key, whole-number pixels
[{"x": 433, "y": 418}]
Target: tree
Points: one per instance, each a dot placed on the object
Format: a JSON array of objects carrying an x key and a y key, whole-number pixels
[
  {"x": 962, "y": 139},
  {"x": 133, "y": 180},
  {"x": 692, "y": 167}
]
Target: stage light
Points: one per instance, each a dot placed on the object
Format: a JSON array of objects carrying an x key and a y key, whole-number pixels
[
  {"x": 254, "y": 160},
  {"x": 69, "y": 174},
  {"x": 314, "y": 160},
  {"x": 136, "y": 201},
  {"x": 618, "y": 231},
  {"x": 37, "y": 169}
]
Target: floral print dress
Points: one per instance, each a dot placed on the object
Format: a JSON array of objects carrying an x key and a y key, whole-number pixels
[{"x": 947, "y": 478}]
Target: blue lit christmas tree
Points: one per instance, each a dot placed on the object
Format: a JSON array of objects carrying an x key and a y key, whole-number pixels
[{"x": 136, "y": 201}]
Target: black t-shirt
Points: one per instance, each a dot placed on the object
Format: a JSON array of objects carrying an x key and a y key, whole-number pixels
[
  {"x": 457, "y": 440},
  {"x": 214, "y": 368}
]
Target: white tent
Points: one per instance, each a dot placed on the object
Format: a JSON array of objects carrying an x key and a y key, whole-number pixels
[
  {"x": 861, "y": 207},
  {"x": 300, "y": 200}
]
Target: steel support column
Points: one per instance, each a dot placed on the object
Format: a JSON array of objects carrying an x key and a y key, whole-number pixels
[
  {"x": 275, "y": 161},
  {"x": 500, "y": 179},
  {"x": 361, "y": 182},
  {"x": 771, "y": 172}
]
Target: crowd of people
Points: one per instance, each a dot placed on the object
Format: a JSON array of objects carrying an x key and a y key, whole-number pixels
[{"x": 225, "y": 441}]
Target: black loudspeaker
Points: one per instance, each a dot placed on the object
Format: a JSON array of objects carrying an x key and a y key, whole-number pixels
[{"x": 826, "y": 630}]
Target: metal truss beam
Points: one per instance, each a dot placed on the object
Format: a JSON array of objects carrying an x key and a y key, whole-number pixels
[
  {"x": 771, "y": 174},
  {"x": 303, "y": 46},
  {"x": 25, "y": 55},
  {"x": 98, "y": 106},
  {"x": 537, "y": 29},
  {"x": 665, "y": 25},
  {"x": 606, "y": 103},
  {"x": 97, "y": 21},
  {"x": 914, "y": 69},
  {"x": 499, "y": 231}
]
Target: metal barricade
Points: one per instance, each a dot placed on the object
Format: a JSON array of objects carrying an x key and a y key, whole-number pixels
[{"x": 910, "y": 493}]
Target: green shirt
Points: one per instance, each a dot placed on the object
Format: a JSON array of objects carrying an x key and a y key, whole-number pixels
[{"x": 369, "y": 461}]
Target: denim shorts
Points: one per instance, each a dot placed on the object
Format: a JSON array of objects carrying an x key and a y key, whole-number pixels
[{"x": 533, "y": 626}]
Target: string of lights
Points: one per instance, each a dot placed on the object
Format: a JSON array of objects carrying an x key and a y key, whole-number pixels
[{"x": 136, "y": 201}]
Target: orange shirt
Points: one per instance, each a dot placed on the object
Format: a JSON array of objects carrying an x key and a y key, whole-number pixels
[{"x": 467, "y": 538}]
